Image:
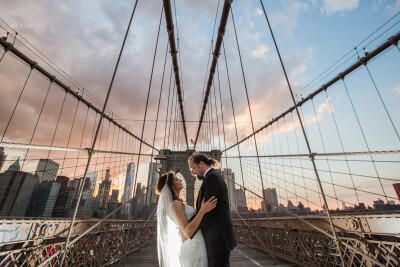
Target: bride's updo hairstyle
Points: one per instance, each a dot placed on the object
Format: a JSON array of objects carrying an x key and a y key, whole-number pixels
[
  {"x": 197, "y": 157},
  {"x": 167, "y": 178}
]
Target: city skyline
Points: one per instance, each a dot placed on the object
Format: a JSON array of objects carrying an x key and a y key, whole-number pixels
[
  {"x": 43, "y": 194},
  {"x": 317, "y": 35}
]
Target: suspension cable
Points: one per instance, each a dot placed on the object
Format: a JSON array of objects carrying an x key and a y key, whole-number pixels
[
  {"x": 304, "y": 134},
  {"x": 95, "y": 137},
  {"x": 166, "y": 116},
  {"x": 147, "y": 104},
  {"x": 218, "y": 43},
  {"x": 391, "y": 41},
  {"x": 174, "y": 52},
  {"x": 249, "y": 106}
]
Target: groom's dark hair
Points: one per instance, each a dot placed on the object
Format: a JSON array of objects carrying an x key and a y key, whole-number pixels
[{"x": 197, "y": 157}]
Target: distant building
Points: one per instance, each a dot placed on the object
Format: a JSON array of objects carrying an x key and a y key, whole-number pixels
[
  {"x": 240, "y": 195},
  {"x": 95, "y": 207},
  {"x": 104, "y": 190},
  {"x": 93, "y": 177},
  {"x": 151, "y": 196},
  {"x": 43, "y": 199},
  {"x": 128, "y": 187},
  {"x": 396, "y": 188},
  {"x": 47, "y": 170},
  {"x": 114, "y": 195},
  {"x": 390, "y": 205},
  {"x": 112, "y": 206},
  {"x": 229, "y": 178},
  {"x": 290, "y": 206},
  {"x": 74, "y": 184},
  {"x": 88, "y": 191},
  {"x": 64, "y": 199},
  {"x": 271, "y": 196},
  {"x": 138, "y": 201},
  {"x": 15, "y": 166},
  {"x": 3, "y": 157},
  {"x": 378, "y": 204},
  {"x": 360, "y": 206},
  {"x": 16, "y": 188}
]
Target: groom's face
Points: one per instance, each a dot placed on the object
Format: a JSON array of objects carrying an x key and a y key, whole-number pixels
[{"x": 196, "y": 169}]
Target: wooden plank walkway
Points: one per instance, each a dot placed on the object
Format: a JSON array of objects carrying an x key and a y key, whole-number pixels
[{"x": 242, "y": 256}]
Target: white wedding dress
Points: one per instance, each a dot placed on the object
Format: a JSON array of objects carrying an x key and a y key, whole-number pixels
[
  {"x": 172, "y": 250},
  {"x": 193, "y": 251}
]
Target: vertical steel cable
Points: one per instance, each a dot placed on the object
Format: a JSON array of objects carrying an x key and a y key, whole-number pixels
[
  {"x": 222, "y": 112},
  {"x": 233, "y": 112},
  {"x": 305, "y": 130},
  {"x": 249, "y": 107},
  {"x": 19, "y": 98},
  {"x": 341, "y": 144},
  {"x": 216, "y": 113},
  {"x": 300, "y": 161},
  {"x": 383, "y": 103},
  {"x": 324, "y": 149},
  {"x": 37, "y": 122},
  {"x": 145, "y": 115},
  {"x": 305, "y": 136},
  {"x": 94, "y": 140},
  {"x": 290, "y": 159},
  {"x": 166, "y": 116},
  {"x": 170, "y": 113},
  {"x": 70, "y": 133},
  {"x": 365, "y": 139}
]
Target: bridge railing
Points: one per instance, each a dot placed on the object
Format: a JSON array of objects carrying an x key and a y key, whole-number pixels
[
  {"x": 33, "y": 242},
  {"x": 374, "y": 237}
]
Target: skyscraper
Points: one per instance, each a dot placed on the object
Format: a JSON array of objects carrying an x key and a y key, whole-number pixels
[
  {"x": 47, "y": 170},
  {"x": 114, "y": 204},
  {"x": 240, "y": 195},
  {"x": 151, "y": 196},
  {"x": 43, "y": 199},
  {"x": 104, "y": 190},
  {"x": 114, "y": 195},
  {"x": 128, "y": 187},
  {"x": 15, "y": 166},
  {"x": 65, "y": 198},
  {"x": 138, "y": 201},
  {"x": 88, "y": 190},
  {"x": 229, "y": 178},
  {"x": 16, "y": 188},
  {"x": 396, "y": 188},
  {"x": 271, "y": 196},
  {"x": 93, "y": 177}
]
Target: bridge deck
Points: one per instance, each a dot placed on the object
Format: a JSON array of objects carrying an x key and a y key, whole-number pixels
[{"x": 242, "y": 256}]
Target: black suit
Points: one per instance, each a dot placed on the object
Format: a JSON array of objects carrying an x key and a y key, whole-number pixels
[{"x": 216, "y": 225}]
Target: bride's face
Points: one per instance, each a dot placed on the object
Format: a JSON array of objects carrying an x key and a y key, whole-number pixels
[{"x": 177, "y": 185}]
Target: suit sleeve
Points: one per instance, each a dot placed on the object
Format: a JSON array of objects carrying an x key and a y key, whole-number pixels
[{"x": 211, "y": 188}]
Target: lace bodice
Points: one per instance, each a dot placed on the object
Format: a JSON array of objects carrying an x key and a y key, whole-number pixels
[
  {"x": 193, "y": 251},
  {"x": 189, "y": 211}
]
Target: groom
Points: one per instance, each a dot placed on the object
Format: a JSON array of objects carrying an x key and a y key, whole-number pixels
[{"x": 216, "y": 225}]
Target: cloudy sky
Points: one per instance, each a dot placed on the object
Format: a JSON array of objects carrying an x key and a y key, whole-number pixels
[{"x": 83, "y": 38}]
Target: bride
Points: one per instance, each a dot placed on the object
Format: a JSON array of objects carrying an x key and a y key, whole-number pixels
[{"x": 174, "y": 246}]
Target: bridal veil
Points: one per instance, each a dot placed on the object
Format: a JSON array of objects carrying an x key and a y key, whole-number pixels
[{"x": 169, "y": 240}]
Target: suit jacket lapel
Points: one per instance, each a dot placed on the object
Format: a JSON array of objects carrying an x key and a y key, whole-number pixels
[{"x": 199, "y": 197}]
